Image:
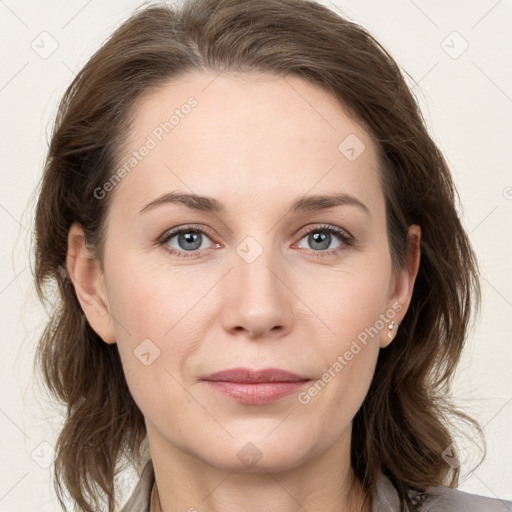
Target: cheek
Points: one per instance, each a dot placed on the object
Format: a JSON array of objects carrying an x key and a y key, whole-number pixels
[
  {"x": 338, "y": 393},
  {"x": 154, "y": 299},
  {"x": 349, "y": 302},
  {"x": 352, "y": 306},
  {"x": 156, "y": 312}
]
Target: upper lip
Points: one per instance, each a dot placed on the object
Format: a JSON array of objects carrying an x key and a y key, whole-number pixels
[{"x": 253, "y": 376}]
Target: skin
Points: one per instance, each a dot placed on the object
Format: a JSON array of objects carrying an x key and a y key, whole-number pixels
[{"x": 255, "y": 143}]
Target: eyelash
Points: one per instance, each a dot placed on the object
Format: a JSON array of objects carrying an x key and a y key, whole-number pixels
[{"x": 346, "y": 239}]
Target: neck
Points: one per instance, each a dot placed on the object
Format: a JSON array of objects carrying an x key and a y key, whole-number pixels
[{"x": 323, "y": 484}]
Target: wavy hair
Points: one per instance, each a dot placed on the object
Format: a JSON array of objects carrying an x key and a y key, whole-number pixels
[{"x": 404, "y": 425}]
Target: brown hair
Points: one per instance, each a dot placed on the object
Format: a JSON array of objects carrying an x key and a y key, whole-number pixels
[{"x": 402, "y": 427}]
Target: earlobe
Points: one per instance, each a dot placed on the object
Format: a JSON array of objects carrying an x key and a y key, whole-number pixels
[
  {"x": 85, "y": 273},
  {"x": 390, "y": 330},
  {"x": 403, "y": 286}
]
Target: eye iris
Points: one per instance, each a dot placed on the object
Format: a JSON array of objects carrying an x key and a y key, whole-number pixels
[
  {"x": 189, "y": 237},
  {"x": 323, "y": 238}
]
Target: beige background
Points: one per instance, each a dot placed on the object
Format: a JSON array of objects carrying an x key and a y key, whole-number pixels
[{"x": 466, "y": 97}]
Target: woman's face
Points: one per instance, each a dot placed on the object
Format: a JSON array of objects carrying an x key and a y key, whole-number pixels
[{"x": 256, "y": 280}]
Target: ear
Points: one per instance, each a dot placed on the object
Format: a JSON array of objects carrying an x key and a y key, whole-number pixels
[
  {"x": 402, "y": 284},
  {"x": 87, "y": 277}
]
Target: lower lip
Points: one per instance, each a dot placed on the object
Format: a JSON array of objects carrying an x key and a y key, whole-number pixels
[{"x": 257, "y": 393}]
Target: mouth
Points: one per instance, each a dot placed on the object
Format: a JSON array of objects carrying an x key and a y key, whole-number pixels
[
  {"x": 249, "y": 376},
  {"x": 255, "y": 387}
]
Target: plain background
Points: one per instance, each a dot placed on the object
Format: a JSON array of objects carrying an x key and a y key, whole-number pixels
[{"x": 457, "y": 56}]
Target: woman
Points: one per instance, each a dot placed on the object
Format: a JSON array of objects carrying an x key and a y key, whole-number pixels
[{"x": 262, "y": 271}]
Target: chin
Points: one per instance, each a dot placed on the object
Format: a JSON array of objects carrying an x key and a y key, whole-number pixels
[{"x": 256, "y": 454}]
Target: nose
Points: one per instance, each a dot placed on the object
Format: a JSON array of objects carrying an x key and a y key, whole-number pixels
[{"x": 258, "y": 298}]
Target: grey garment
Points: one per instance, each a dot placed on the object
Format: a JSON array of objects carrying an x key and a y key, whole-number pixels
[{"x": 385, "y": 498}]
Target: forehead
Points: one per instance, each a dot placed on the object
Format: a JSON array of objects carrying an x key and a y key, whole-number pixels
[{"x": 245, "y": 137}]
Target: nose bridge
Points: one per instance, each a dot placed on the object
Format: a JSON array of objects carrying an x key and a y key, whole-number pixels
[{"x": 259, "y": 301}]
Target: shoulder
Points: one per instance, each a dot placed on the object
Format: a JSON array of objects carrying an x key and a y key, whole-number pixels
[
  {"x": 139, "y": 500},
  {"x": 435, "y": 499},
  {"x": 446, "y": 499}
]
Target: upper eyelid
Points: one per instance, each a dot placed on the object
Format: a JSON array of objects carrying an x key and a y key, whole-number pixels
[
  {"x": 170, "y": 233},
  {"x": 325, "y": 227}
]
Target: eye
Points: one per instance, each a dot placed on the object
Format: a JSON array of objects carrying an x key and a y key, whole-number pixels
[
  {"x": 190, "y": 241},
  {"x": 320, "y": 239},
  {"x": 186, "y": 242}
]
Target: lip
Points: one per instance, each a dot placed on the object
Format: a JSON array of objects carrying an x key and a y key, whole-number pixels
[
  {"x": 255, "y": 387},
  {"x": 249, "y": 376}
]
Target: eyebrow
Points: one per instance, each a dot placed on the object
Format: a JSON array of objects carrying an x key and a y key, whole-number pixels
[{"x": 312, "y": 203}]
